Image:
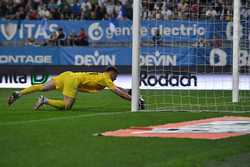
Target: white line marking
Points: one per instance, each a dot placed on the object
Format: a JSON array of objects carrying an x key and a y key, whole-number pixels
[
  {"x": 73, "y": 117},
  {"x": 62, "y": 118}
]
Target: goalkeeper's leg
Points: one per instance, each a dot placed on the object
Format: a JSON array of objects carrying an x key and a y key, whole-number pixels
[
  {"x": 69, "y": 93},
  {"x": 65, "y": 104},
  {"x": 34, "y": 88}
]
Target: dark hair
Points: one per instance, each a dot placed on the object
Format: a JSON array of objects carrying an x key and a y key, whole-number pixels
[{"x": 111, "y": 68}]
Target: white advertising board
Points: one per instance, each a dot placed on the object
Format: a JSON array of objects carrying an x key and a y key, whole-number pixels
[{"x": 190, "y": 82}]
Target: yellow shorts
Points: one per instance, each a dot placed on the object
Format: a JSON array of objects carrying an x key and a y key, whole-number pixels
[{"x": 66, "y": 83}]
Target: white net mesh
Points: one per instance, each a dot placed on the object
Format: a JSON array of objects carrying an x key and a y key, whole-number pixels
[{"x": 186, "y": 62}]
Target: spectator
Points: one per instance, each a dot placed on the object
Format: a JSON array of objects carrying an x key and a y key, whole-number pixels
[
  {"x": 72, "y": 38},
  {"x": 167, "y": 14},
  {"x": 211, "y": 13},
  {"x": 245, "y": 13},
  {"x": 76, "y": 10},
  {"x": 117, "y": 7},
  {"x": 52, "y": 6},
  {"x": 60, "y": 37},
  {"x": 20, "y": 14},
  {"x": 158, "y": 14},
  {"x": 57, "y": 38},
  {"x": 35, "y": 4},
  {"x": 100, "y": 12},
  {"x": 66, "y": 11},
  {"x": 52, "y": 39},
  {"x": 125, "y": 12},
  {"x": 56, "y": 15},
  {"x": 195, "y": 10},
  {"x": 157, "y": 38},
  {"x": 219, "y": 7},
  {"x": 200, "y": 43},
  {"x": 3, "y": 9},
  {"x": 82, "y": 39},
  {"x": 217, "y": 42},
  {"x": 44, "y": 12},
  {"x": 182, "y": 9},
  {"x": 110, "y": 6},
  {"x": 10, "y": 11},
  {"x": 228, "y": 14},
  {"x": 32, "y": 15},
  {"x": 86, "y": 5},
  {"x": 31, "y": 42}
]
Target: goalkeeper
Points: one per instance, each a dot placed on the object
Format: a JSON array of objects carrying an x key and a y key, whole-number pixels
[{"x": 70, "y": 83}]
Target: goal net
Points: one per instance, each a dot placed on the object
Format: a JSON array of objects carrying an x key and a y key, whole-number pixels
[{"x": 186, "y": 61}]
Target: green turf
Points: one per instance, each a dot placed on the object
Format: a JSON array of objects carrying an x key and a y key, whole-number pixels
[
  {"x": 209, "y": 100},
  {"x": 63, "y": 139}
]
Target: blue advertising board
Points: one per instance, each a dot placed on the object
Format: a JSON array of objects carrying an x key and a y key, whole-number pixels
[
  {"x": 114, "y": 31},
  {"x": 119, "y": 56}
]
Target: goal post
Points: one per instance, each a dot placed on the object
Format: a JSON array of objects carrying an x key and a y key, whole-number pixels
[
  {"x": 236, "y": 51},
  {"x": 136, "y": 55}
]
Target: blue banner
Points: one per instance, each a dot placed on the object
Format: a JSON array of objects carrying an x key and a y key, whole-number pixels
[
  {"x": 121, "y": 31},
  {"x": 120, "y": 56}
]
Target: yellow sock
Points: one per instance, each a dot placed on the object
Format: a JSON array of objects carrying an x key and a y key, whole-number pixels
[
  {"x": 56, "y": 103},
  {"x": 31, "y": 89}
]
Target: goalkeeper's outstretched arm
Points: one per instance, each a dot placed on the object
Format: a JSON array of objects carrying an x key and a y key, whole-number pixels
[
  {"x": 122, "y": 93},
  {"x": 124, "y": 90},
  {"x": 141, "y": 100},
  {"x": 126, "y": 94}
]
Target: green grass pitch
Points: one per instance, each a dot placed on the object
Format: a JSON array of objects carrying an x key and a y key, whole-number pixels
[{"x": 62, "y": 139}]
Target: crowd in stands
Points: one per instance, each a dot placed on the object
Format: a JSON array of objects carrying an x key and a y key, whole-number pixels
[
  {"x": 117, "y": 9},
  {"x": 192, "y": 9},
  {"x": 66, "y": 9}
]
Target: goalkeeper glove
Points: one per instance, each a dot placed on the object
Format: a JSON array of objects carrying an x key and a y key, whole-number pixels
[
  {"x": 141, "y": 100},
  {"x": 141, "y": 103}
]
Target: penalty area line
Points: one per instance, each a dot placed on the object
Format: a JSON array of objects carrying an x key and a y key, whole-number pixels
[{"x": 63, "y": 118}]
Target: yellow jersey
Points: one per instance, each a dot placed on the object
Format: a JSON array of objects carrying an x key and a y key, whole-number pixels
[
  {"x": 71, "y": 82},
  {"x": 93, "y": 81}
]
